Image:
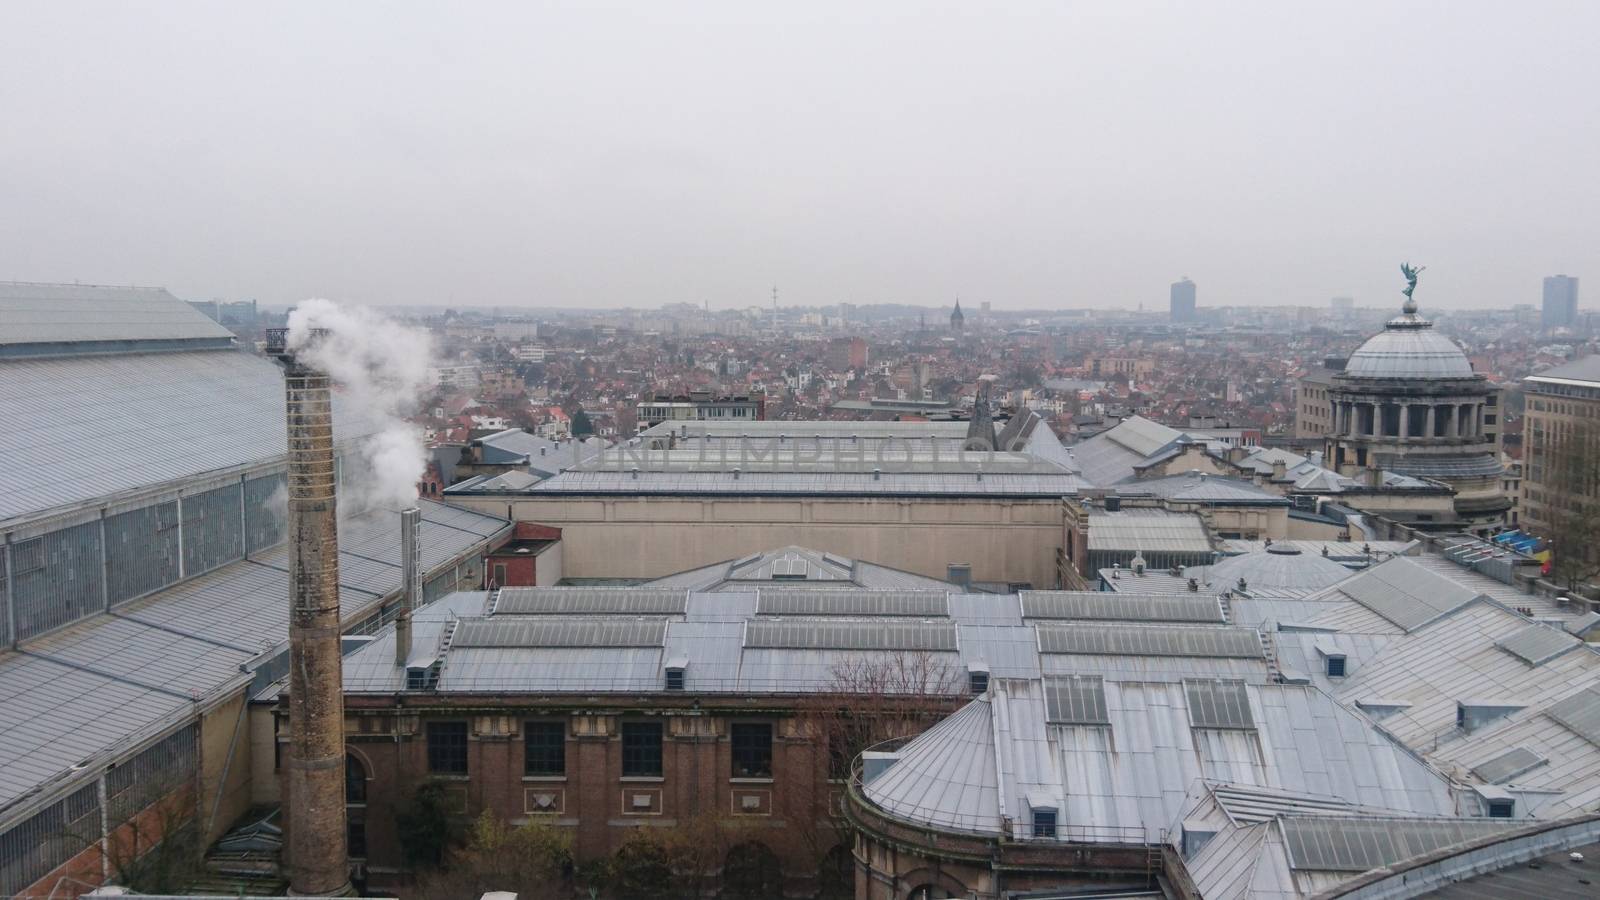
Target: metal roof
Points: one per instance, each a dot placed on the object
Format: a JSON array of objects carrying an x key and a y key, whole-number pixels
[
  {"x": 1149, "y": 640},
  {"x": 1508, "y": 765},
  {"x": 1580, "y": 714},
  {"x": 1351, "y": 844},
  {"x": 1583, "y": 371},
  {"x": 776, "y": 601},
  {"x": 850, "y": 634},
  {"x": 1218, "y": 704},
  {"x": 89, "y": 427},
  {"x": 1075, "y": 700},
  {"x": 86, "y": 313},
  {"x": 1276, "y": 569},
  {"x": 590, "y": 601},
  {"x": 97, "y": 687},
  {"x": 858, "y": 483},
  {"x": 1091, "y": 605},
  {"x": 543, "y": 632},
  {"x": 1148, "y": 530},
  {"x": 1407, "y": 594},
  {"x": 1413, "y": 351},
  {"x": 1538, "y": 644}
]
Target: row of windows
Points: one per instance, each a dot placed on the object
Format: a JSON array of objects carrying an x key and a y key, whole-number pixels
[{"x": 545, "y": 749}]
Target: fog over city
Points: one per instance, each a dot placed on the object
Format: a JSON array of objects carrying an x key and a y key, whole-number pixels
[{"x": 1031, "y": 155}]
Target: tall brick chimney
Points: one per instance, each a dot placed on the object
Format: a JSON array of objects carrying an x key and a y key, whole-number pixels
[{"x": 314, "y": 764}]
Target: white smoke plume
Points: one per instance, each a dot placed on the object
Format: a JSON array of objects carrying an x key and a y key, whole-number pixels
[{"x": 381, "y": 367}]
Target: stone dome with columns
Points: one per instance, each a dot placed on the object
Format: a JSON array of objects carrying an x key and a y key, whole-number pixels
[{"x": 1409, "y": 402}]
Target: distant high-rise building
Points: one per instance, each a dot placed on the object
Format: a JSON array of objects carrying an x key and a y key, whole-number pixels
[
  {"x": 1183, "y": 301},
  {"x": 1342, "y": 304},
  {"x": 987, "y": 307},
  {"x": 1560, "y": 302}
]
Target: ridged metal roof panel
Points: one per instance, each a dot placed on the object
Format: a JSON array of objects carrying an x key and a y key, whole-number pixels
[
  {"x": 540, "y": 632},
  {"x": 1121, "y": 607},
  {"x": 633, "y": 601},
  {"x": 775, "y": 601},
  {"x": 1349, "y": 844},
  {"x": 1150, "y": 640},
  {"x": 850, "y": 634},
  {"x": 83, "y": 313},
  {"x": 140, "y": 421}
]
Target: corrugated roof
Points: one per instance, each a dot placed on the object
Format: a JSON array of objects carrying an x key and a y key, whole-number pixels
[
  {"x": 83, "y": 428},
  {"x": 1218, "y": 704},
  {"x": 590, "y": 601},
  {"x": 542, "y": 632},
  {"x": 95, "y": 687},
  {"x": 1148, "y": 530},
  {"x": 1349, "y": 844},
  {"x": 1075, "y": 700},
  {"x": 850, "y": 634},
  {"x": 1149, "y": 640},
  {"x": 889, "y": 482},
  {"x": 80, "y": 313},
  {"x": 776, "y": 601},
  {"x": 1124, "y": 607}
]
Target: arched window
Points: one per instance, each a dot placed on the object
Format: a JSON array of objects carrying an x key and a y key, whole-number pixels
[
  {"x": 751, "y": 872},
  {"x": 836, "y": 877},
  {"x": 355, "y": 780}
]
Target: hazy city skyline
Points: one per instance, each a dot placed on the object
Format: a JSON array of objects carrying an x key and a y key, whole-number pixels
[{"x": 1041, "y": 156}]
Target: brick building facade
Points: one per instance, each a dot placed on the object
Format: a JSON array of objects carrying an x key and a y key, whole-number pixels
[{"x": 601, "y": 771}]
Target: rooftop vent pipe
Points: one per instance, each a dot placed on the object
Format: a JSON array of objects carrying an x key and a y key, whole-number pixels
[{"x": 410, "y": 581}]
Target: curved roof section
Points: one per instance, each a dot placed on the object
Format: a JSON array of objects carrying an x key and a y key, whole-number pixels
[
  {"x": 1408, "y": 347},
  {"x": 947, "y": 776},
  {"x": 1277, "y": 568}
]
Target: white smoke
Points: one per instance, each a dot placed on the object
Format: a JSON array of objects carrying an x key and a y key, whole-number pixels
[{"x": 381, "y": 367}]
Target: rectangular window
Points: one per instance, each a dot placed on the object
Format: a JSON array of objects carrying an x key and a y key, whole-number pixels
[
  {"x": 1335, "y": 667},
  {"x": 752, "y": 750},
  {"x": 641, "y": 749},
  {"x": 544, "y": 748},
  {"x": 1502, "y": 809},
  {"x": 499, "y": 575},
  {"x": 447, "y": 748},
  {"x": 1044, "y": 823}
]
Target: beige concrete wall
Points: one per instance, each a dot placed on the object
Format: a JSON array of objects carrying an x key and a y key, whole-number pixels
[
  {"x": 647, "y": 537},
  {"x": 264, "y": 787},
  {"x": 1302, "y": 530},
  {"x": 225, "y": 768}
]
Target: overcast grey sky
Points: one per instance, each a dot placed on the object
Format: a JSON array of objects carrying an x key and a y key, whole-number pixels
[{"x": 1034, "y": 155}]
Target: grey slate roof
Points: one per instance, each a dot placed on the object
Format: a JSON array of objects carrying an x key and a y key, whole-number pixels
[
  {"x": 90, "y": 427},
  {"x": 86, "y": 313}
]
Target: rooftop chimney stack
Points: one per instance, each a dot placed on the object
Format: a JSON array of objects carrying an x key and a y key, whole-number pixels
[
  {"x": 411, "y": 581},
  {"x": 314, "y": 762}
]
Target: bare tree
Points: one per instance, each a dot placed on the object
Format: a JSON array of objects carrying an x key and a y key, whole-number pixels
[
  {"x": 1570, "y": 466},
  {"x": 530, "y": 860},
  {"x": 868, "y": 699}
]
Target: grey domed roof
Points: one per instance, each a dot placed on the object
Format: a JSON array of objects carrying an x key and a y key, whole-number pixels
[
  {"x": 1408, "y": 347},
  {"x": 1276, "y": 568}
]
